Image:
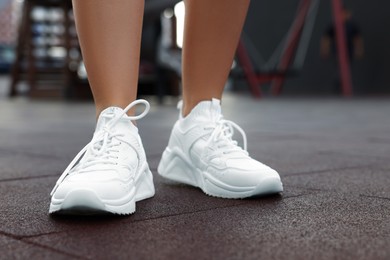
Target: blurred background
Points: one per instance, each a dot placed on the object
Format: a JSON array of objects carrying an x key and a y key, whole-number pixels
[{"x": 288, "y": 48}]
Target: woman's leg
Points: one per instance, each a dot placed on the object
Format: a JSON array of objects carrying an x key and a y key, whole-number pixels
[
  {"x": 110, "y": 35},
  {"x": 201, "y": 151},
  {"x": 212, "y": 31},
  {"x": 101, "y": 176}
]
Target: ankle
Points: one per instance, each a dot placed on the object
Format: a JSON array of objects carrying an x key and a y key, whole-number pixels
[{"x": 189, "y": 105}]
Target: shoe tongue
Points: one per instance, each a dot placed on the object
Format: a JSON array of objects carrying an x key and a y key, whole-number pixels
[
  {"x": 109, "y": 114},
  {"x": 206, "y": 110}
]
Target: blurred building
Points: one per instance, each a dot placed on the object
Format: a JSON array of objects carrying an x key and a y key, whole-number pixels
[
  {"x": 268, "y": 21},
  {"x": 267, "y": 24}
]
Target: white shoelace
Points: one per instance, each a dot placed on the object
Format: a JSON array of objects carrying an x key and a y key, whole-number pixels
[
  {"x": 222, "y": 136},
  {"x": 102, "y": 147}
]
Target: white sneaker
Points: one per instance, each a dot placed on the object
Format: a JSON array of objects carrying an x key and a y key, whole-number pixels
[
  {"x": 202, "y": 153},
  {"x": 110, "y": 173}
]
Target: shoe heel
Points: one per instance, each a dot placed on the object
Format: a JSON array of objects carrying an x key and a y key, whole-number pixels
[
  {"x": 173, "y": 167},
  {"x": 145, "y": 186}
]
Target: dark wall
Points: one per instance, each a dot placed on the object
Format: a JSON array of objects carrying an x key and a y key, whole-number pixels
[{"x": 269, "y": 20}]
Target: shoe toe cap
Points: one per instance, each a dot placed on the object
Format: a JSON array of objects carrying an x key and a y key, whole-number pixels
[{"x": 108, "y": 190}]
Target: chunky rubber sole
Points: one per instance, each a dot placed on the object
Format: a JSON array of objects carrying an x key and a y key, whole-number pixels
[
  {"x": 174, "y": 166},
  {"x": 86, "y": 201}
]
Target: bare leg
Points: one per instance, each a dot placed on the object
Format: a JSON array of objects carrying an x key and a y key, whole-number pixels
[
  {"x": 110, "y": 36},
  {"x": 212, "y": 31}
]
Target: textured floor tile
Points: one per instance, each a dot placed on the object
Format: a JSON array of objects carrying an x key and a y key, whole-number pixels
[
  {"x": 25, "y": 205},
  {"x": 316, "y": 226},
  {"x": 16, "y": 165},
  {"x": 15, "y": 249},
  {"x": 364, "y": 181},
  {"x": 332, "y": 154}
]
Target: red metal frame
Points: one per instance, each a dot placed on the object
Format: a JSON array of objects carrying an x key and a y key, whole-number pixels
[
  {"x": 291, "y": 45},
  {"x": 249, "y": 72},
  {"x": 341, "y": 43},
  {"x": 278, "y": 77}
]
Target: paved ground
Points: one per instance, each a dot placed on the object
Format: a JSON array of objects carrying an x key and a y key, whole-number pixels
[{"x": 333, "y": 156}]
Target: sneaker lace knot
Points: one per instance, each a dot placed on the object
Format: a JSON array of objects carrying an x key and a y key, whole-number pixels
[
  {"x": 102, "y": 150},
  {"x": 222, "y": 138}
]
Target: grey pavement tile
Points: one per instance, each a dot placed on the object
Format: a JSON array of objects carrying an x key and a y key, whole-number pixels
[
  {"x": 46, "y": 128},
  {"x": 160, "y": 117},
  {"x": 154, "y": 143},
  {"x": 292, "y": 158},
  {"x": 11, "y": 248},
  {"x": 354, "y": 146},
  {"x": 316, "y": 226},
  {"x": 364, "y": 181},
  {"x": 61, "y": 129},
  {"x": 359, "y": 127},
  {"x": 49, "y": 143},
  {"x": 25, "y": 205},
  {"x": 334, "y": 142},
  {"x": 173, "y": 199},
  {"x": 311, "y": 116},
  {"x": 153, "y": 161},
  {"x": 19, "y": 113},
  {"x": 15, "y": 165}
]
